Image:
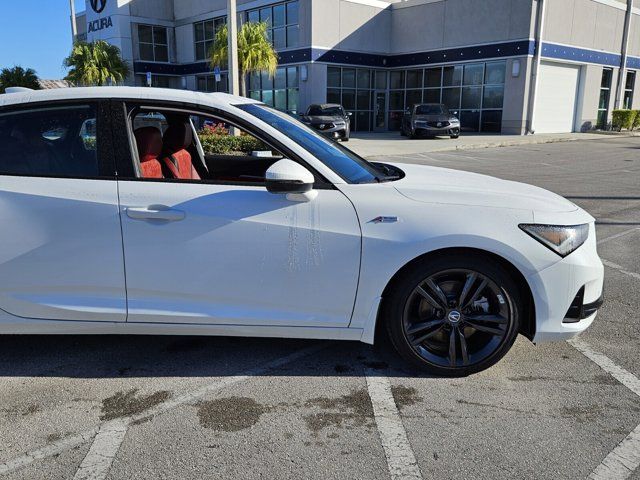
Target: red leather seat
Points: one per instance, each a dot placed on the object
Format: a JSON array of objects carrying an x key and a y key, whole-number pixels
[
  {"x": 176, "y": 159},
  {"x": 149, "y": 140}
]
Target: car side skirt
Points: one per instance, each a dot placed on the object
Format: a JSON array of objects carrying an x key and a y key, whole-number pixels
[{"x": 54, "y": 327}]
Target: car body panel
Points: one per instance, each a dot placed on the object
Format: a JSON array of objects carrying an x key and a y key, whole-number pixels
[
  {"x": 61, "y": 257},
  {"x": 240, "y": 256}
]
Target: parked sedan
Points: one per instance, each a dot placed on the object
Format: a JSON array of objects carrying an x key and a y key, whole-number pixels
[
  {"x": 429, "y": 120},
  {"x": 149, "y": 230},
  {"x": 329, "y": 119}
]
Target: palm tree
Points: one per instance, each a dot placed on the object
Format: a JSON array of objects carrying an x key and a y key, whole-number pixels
[
  {"x": 96, "y": 63},
  {"x": 18, "y": 77},
  {"x": 255, "y": 52}
]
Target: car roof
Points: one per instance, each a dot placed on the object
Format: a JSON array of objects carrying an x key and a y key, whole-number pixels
[{"x": 125, "y": 93}]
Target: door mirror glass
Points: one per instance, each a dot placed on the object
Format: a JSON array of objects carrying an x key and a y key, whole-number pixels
[{"x": 290, "y": 178}]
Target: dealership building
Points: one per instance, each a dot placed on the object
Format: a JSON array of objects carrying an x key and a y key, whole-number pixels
[{"x": 510, "y": 66}]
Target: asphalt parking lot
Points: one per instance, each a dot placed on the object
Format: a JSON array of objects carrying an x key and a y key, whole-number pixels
[{"x": 193, "y": 408}]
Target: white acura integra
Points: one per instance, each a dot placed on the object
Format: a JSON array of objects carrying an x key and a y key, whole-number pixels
[{"x": 131, "y": 210}]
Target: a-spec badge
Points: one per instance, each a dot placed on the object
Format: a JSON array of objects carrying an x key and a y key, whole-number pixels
[{"x": 384, "y": 220}]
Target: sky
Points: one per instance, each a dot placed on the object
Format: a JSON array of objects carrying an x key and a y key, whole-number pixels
[{"x": 36, "y": 34}]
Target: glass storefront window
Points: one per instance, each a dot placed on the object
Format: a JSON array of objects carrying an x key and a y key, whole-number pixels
[
  {"x": 495, "y": 73},
  {"x": 433, "y": 77},
  {"x": 396, "y": 80},
  {"x": 282, "y": 20},
  {"x": 493, "y": 96},
  {"x": 452, "y": 76},
  {"x": 348, "y": 78},
  {"x": 349, "y": 99},
  {"x": 629, "y": 86},
  {"x": 364, "y": 79},
  {"x": 473, "y": 74},
  {"x": 204, "y": 35},
  {"x": 451, "y": 98},
  {"x": 413, "y": 97},
  {"x": 414, "y": 79},
  {"x": 475, "y": 91},
  {"x": 153, "y": 43},
  {"x": 605, "y": 94},
  {"x": 431, "y": 95},
  {"x": 333, "y": 77},
  {"x": 471, "y": 97},
  {"x": 281, "y": 91}
]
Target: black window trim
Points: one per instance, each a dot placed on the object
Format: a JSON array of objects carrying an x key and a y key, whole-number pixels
[
  {"x": 131, "y": 163},
  {"x": 106, "y": 165}
]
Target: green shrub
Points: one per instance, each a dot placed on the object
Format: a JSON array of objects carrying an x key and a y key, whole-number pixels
[
  {"x": 636, "y": 120},
  {"x": 623, "y": 119},
  {"x": 229, "y": 144}
]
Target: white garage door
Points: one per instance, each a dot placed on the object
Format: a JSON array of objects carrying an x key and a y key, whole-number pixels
[{"x": 556, "y": 98}]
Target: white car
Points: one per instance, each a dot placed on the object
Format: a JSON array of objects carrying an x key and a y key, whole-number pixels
[{"x": 121, "y": 215}]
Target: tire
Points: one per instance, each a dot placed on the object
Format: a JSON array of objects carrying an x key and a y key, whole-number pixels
[
  {"x": 454, "y": 137},
  {"x": 484, "y": 330}
]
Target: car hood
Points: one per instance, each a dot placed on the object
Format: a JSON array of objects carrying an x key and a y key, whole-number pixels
[
  {"x": 432, "y": 118},
  {"x": 325, "y": 119},
  {"x": 446, "y": 186}
]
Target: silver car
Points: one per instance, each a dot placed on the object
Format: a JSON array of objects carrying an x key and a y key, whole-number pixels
[{"x": 429, "y": 120}]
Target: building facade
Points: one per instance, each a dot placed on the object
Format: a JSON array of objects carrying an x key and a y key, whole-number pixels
[{"x": 510, "y": 66}]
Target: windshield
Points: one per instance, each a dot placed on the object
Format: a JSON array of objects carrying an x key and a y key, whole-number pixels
[
  {"x": 350, "y": 167},
  {"x": 432, "y": 110},
  {"x": 318, "y": 111}
]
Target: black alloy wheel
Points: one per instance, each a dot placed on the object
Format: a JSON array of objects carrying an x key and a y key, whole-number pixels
[{"x": 454, "y": 316}]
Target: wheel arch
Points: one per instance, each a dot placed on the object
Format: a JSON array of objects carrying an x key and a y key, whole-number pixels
[{"x": 528, "y": 323}]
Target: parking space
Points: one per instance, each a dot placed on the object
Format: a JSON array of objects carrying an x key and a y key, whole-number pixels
[{"x": 192, "y": 408}]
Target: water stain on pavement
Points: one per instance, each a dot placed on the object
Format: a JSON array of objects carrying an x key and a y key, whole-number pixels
[
  {"x": 230, "y": 414},
  {"x": 347, "y": 411},
  {"x": 123, "y": 404},
  {"x": 405, "y": 396}
]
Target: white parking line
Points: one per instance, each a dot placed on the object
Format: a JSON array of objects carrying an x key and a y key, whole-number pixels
[
  {"x": 401, "y": 460},
  {"x": 617, "y": 267},
  {"x": 104, "y": 449},
  {"x": 623, "y": 460},
  {"x": 618, "y": 235},
  {"x": 108, "y": 443}
]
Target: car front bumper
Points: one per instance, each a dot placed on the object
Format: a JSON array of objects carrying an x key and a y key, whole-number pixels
[
  {"x": 568, "y": 294},
  {"x": 339, "y": 131},
  {"x": 435, "y": 131}
]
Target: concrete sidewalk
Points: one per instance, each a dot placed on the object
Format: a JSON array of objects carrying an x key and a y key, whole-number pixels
[{"x": 392, "y": 143}]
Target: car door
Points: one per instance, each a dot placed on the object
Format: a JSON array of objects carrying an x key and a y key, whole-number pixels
[
  {"x": 211, "y": 252},
  {"x": 61, "y": 243}
]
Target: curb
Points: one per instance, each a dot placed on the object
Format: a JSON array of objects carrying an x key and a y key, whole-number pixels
[{"x": 516, "y": 143}]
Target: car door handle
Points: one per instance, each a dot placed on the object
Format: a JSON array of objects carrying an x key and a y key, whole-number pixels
[{"x": 155, "y": 212}]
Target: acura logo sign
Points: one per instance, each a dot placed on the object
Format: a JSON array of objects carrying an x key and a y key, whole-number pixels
[{"x": 98, "y": 5}]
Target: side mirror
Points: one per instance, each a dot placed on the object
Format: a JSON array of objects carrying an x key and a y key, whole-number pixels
[{"x": 292, "y": 179}]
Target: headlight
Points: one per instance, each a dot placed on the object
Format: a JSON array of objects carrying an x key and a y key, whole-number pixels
[
  {"x": 454, "y": 120},
  {"x": 562, "y": 239}
]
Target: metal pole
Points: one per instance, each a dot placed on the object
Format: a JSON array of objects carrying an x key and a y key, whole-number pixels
[
  {"x": 536, "y": 67},
  {"x": 622, "y": 74},
  {"x": 74, "y": 27},
  {"x": 232, "y": 28}
]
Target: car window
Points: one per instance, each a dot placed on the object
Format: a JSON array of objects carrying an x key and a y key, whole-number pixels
[
  {"x": 50, "y": 142},
  {"x": 432, "y": 110},
  {"x": 174, "y": 145},
  {"x": 348, "y": 165}
]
